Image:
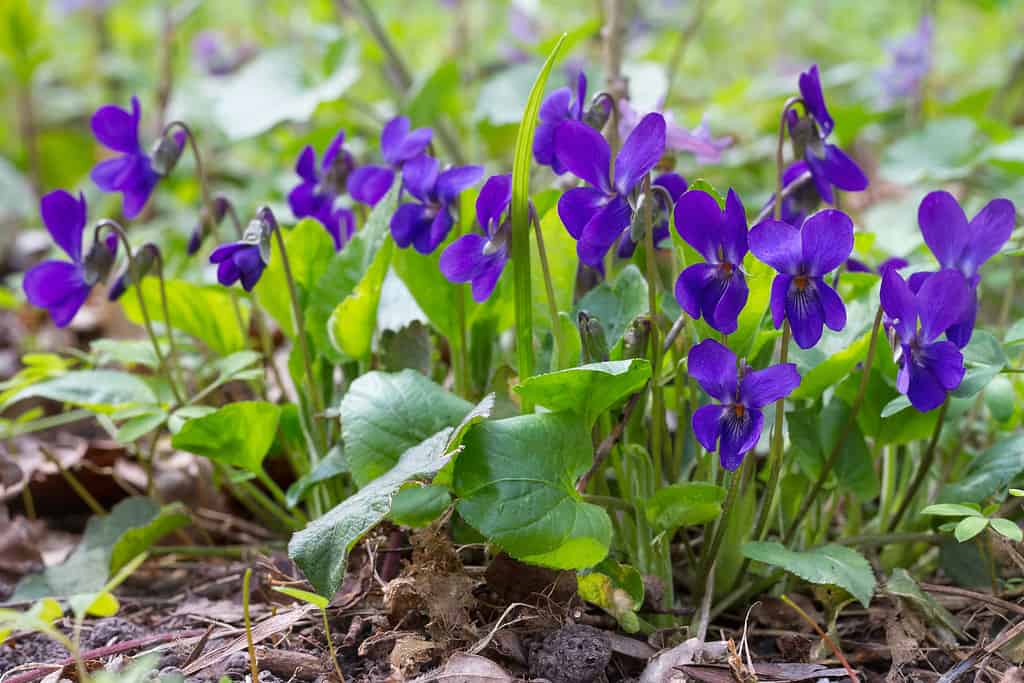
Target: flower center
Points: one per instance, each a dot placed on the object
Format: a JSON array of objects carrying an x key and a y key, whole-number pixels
[
  {"x": 726, "y": 269},
  {"x": 739, "y": 409},
  {"x": 801, "y": 282}
]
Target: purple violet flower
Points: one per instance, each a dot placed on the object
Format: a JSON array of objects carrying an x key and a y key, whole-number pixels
[
  {"x": 238, "y": 261},
  {"x": 596, "y": 216},
  {"x": 368, "y": 184},
  {"x": 716, "y": 289},
  {"x": 315, "y": 196},
  {"x": 734, "y": 425},
  {"x": 426, "y": 222},
  {"x": 214, "y": 55},
  {"x": 802, "y": 257},
  {"x": 857, "y": 266},
  {"x": 558, "y": 107},
  {"x": 911, "y": 60},
  {"x": 928, "y": 368},
  {"x": 802, "y": 202},
  {"x": 132, "y": 173},
  {"x": 828, "y": 164},
  {"x": 963, "y": 246},
  {"x": 706, "y": 149},
  {"x": 61, "y": 287},
  {"x": 478, "y": 258},
  {"x": 675, "y": 185}
]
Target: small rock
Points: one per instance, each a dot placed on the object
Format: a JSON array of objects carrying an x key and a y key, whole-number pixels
[{"x": 573, "y": 654}]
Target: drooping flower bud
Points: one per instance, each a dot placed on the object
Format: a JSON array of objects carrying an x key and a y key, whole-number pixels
[
  {"x": 166, "y": 152},
  {"x": 634, "y": 339},
  {"x": 599, "y": 111},
  {"x": 97, "y": 263},
  {"x": 638, "y": 227},
  {"x": 220, "y": 209},
  {"x": 592, "y": 337},
  {"x": 138, "y": 269},
  {"x": 259, "y": 230}
]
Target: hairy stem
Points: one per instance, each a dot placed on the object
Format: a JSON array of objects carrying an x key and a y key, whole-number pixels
[
  {"x": 775, "y": 456},
  {"x": 657, "y": 397},
  {"x": 779, "y": 156},
  {"x": 556, "y": 327}
]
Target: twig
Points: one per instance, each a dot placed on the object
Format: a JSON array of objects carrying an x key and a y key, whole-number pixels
[
  {"x": 974, "y": 595},
  {"x": 1008, "y": 634},
  {"x": 605, "y": 447},
  {"x": 922, "y": 470},
  {"x": 824, "y": 636},
  {"x": 73, "y": 482},
  {"x": 253, "y": 667}
]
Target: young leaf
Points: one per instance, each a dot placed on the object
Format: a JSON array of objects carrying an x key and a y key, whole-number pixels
[
  {"x": 969, "y": 527},
  {"x": 98, "y": 390},
  {"x": 830, "y": 564},
  {"x": 678, "y": 505},
  {"x": 305, "y": 596},
  {"x": 588, "y": 390},
  {"x": 354, "y": 320},
  {"x": 951, "y": 510},
  {"x": 239, "y": 434},
  {"x": 1007, "y": 528},
  {"x": 418, "y": 506},
  {"x": 528, "y": 505},
  {"x": 617, "y": 589},
  {"x": 310, "y": 250}
]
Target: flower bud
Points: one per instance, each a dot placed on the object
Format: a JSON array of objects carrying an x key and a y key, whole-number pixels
[
  {"x": 592, "y": 338},
  {"x": 597, "y": 114},
  {"x": 638, "y": 228},
  {"x": 166, "y": 152},
  {"x": 138, "y": 269},
  {"x": 634, "y": 340},
  {"x": 98, "y": 262},
  {"x": 258, "y": 232},
  {"x": 802, "y": 132}
]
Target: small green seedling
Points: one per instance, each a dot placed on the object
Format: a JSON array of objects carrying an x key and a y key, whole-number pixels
[
  {"x": 320, "y": 602},
  {"x": 974, "y": 520}
]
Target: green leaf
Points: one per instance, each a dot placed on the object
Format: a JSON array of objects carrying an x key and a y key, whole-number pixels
[
  {"x": 830, "y": 564},
  {"x": 124, "y": 351},
  {"x": 331, "y": 466},
  {"x": 588, "y": 390},
  {"x": 950, "y": 510},
  {"x": 617, "y": 589},
  {"x": 273, "y": 88},
  {"x": 101, "y": 604},
  {"x": 836, "y": 355},
  {"x": 343, "y": 273},
  {"x": 139, "y": 539},
  {"x": 969, "y": 527},
  {"x": 310, "y": 250},
  {"x": 561, "y": 252},
  {"x": 759, "y": 278},
  {"x": 206, "y": 313},
  {"x": 305, "y": 596},
  {"x": 1015, "y": 335},
  {"x": 383, "y": 415},
  {"x": 354, "y": 320},
  {"x": 902, "y": 585},
  {"x": 529, "y": 505},
  {"x": 239, "y": 434},
  {"x": 987, "y": 473},
  {"x": 1001, "y": 398},
  {"x": 943, "y": 150},
  {"x": 418, "y": 506},
  {"x": 99, "y": 390},
  {"x": 984, "y": 359},
  {"x": 519, "y": 214},
  {"x": 616, "y": 304},
  {"x": 813, "y": 438},
  {"x": 123, "y": 532},
  {"x": 679, "y": 505},
  {"x": 1007, "y": 528},
  {"x": 140, "y": 425},
  {"x": 321, "y": 549}
]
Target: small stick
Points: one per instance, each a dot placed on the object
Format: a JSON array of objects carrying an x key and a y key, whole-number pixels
[
  {"x": 75, "y": 485},
  {"x": 253, "y": 668},
  {"x": 824, "y": 636}
]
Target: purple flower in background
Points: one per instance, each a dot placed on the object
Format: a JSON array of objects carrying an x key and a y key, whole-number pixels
[
  {"x": 61, "y": 287},
  {"x": 131, "y": 173},
  {"x": 706, "y": 149},
  {"x": 734, "y": 425},
  {"x": 211, "y": 52},
  {"x": 425, "y": 223},
  {"x": 557, "y": 108},
  {"x": 856, "y": 266},
  {"x": 238, "y": 261},
  {"x": 398, "y": 144},
  {"x": 963, "y": 246},
  {"x": 928, "y": 368},
  {"x": 802, "y": 258},
  {"x": 319, "y": 187},
  {"x": 478, "y": 258},
  {"x": 911, "y": 60},
  {"x": 596, "y": 216},
  {"x": 715, "y": 290},
  {"x": 675, "y": 185},
  {"x": 69, "y": 6},
  {"x": 828, "y": 164},
  {"x": 801, "y": 202}
]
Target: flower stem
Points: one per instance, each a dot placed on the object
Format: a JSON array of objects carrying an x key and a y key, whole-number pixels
[
  {"x": 922, "y": 471},
  {"x": 710, "y": 552},
  {"x": 147, "y": 322},
  {"x": 837, "y": 447},
  {"x": 556, "y": 327},
  {"x": 657, "y": 402},
  {"x": 779, "y": 157},
  {"x": 172, "y": 352},
  {"x": 207, "y": 214},
  {"x": 300, "y": 331},
  {"x": 775, "y": 456}
]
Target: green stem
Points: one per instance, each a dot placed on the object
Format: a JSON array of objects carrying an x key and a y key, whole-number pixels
[
  {"x": 837, "y": 447},
  {"x": 922, "y": 471},
  {"x": 75, "y": 485},
  {"x": 172, "y": 351},
  {"x": 48, "y": 422},
  {"x": 556, "y": 327},
  {"x": 207, "y": 215},
  {"x": 459, "y": 343},
  {"x": 147, "y": 322},
  {"x": 657, "y": 396},
  {"x": 330, "y": 648},
  {"x": 779, "y": 156},
  {"x": 710, "y": 553},
  {"x": 775, "y": 457},
  {"x": 876, "y": 540},
  {"x": 278, "y": 495}
]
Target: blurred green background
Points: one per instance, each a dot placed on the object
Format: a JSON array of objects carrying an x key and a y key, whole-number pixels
[{"x": 258, "y": 79}]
